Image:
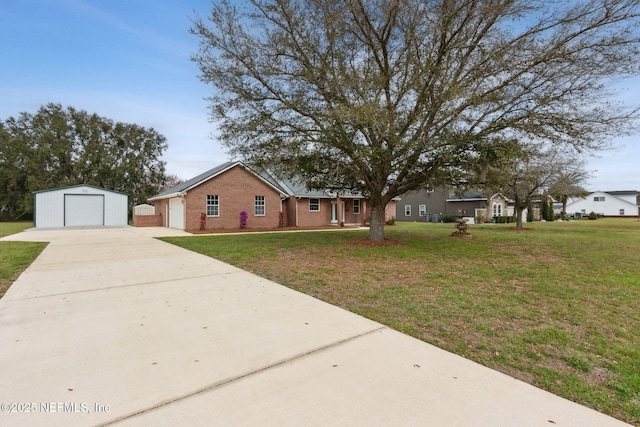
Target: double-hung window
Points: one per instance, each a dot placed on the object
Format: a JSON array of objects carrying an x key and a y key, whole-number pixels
[
  {"x": 314, "y": 205},
  {"x": 258, "y": 206},
  {"x": 356, "y": 206},
  {"x": 422, "y": 209},
  {"x": 213, "y": 205},
  {"x": 407, "y": 210}
]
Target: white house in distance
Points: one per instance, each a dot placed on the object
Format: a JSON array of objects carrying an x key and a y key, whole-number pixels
[
  {"x": 80, "y": 205},
  {"x": 606, "y": 203}
]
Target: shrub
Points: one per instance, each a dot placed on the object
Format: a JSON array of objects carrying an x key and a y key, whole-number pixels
[
  {"x": 391, "y": 221},
  {"x": 593, "y": 215},
  {"x": 448, "y": 218},
  {"x": 243, "y": 219}
]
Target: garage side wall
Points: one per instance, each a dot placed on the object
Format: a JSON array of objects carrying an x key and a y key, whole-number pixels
[
  {"x": 115, "y": 208},
  {"x": 49, "y": 209}
]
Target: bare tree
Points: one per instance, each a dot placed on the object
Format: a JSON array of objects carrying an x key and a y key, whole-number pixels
[
  {"x": 387, "y": 96},
  {"x": 528, "y": 176},
  {"x": 171, "y": 181}
]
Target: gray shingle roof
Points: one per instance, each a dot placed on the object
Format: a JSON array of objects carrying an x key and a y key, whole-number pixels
[
  {"x": 290, "y": 187},
  {"x": 194, "y": 181},
  {"x": 468, "y": 196},
  {"x": 622, "y": 193}
]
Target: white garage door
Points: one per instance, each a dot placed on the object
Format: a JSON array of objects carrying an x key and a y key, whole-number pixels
[{"x": 83, "y": 209}]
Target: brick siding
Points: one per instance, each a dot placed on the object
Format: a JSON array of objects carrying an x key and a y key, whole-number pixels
[
  {"x": 148, "y": 220},
  {"x": 236, "y": 190}
]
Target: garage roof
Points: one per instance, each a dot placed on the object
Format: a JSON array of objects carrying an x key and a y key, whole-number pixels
[{"x": 78, "y": 186}]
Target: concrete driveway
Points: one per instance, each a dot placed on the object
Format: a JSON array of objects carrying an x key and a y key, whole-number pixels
[{"x": 111, "y": 326}]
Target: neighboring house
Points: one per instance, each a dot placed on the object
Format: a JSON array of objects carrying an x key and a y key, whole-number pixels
[
  {"x": 423, "y": 205},
  {"x": 214, "y": 200},
  {"x": 606, "y": 203},
  {"x": 477, "y": 205},
  {"x": 80, "y": 205},
  {"x": 431, "y": 205}
]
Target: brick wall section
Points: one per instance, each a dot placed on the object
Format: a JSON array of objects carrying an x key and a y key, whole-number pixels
[
  {"x": 350, "y": 217},
  {"x": 148, "y": 220},
  {"x": 390, "y": 211},
  {"x": 162, "y": 209},
  {"x": 236, "y": 189},
  {"x": 307, "y": 218}
]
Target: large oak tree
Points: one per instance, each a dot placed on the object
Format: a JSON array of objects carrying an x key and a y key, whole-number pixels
[
  {"x": 59, "y": 146},
  {"x": 387, "y": 96}
]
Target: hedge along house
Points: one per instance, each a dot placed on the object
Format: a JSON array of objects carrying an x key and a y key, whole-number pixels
[
  {"x": 80, "y": 205},
  {"x": 214, "y": 200}
]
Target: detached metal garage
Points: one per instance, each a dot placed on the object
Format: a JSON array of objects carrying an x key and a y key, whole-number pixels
[{"x": 80, "y": 205}]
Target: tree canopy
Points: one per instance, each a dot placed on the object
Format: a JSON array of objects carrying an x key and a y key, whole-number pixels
[
  {"x": 387, "y": 96},
  {"x": 58, "y": 146}
]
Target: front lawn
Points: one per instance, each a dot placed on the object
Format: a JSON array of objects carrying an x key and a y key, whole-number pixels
[
  {"x": 15, "y": 257},
  {"x": 557, "y": 306}
]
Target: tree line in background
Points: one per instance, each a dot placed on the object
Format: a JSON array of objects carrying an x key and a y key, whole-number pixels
[{"x": 57, "y": 147}]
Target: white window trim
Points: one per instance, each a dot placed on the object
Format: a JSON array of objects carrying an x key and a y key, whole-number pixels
[
  {"x": 407, "y": 212},
  {"x": 217, "y": 205},
  {"x": 314, "y": 210},
  {"x": 422, "y": 210},
  {"x": 356, "y": 206},
  {"x": 263, "y": 206}
]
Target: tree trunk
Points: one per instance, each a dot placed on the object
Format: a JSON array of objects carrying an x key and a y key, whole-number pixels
[
  {"x": 376, "y": 225},
  {"x": 519, "y": 211}
]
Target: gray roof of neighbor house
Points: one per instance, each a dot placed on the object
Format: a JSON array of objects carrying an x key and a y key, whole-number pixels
[
  {"x": 621, "y": 193},
  {"x": 467, "y": 197},
  {"x": 289, "y": 187}
]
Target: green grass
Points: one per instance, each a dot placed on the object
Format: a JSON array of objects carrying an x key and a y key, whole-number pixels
[
  {"x": 8, "y": 228},
  {"x": 557, "y": 306},
  {"x": 15, "y": 257}
]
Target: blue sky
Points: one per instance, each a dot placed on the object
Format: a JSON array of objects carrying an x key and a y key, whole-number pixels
[{"x": 128, "y": 60}]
